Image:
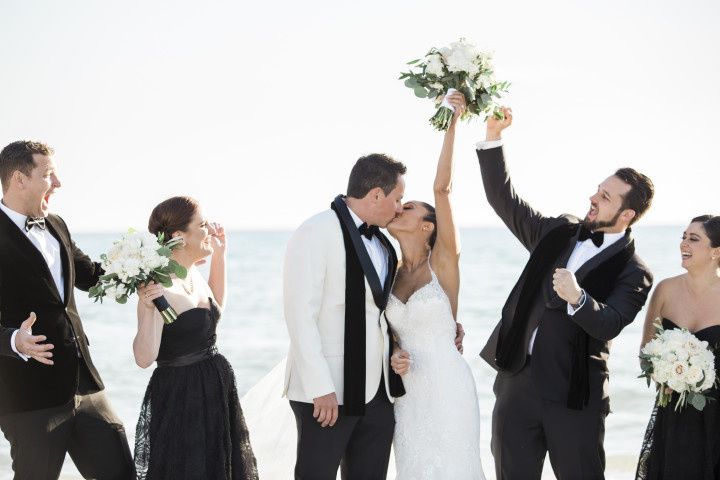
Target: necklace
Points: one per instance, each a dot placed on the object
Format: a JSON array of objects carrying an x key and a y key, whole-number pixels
[{"x": 191, "y": 289}]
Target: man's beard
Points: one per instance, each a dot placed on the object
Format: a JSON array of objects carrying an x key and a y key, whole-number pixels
[{"x": 592, "y": 226}]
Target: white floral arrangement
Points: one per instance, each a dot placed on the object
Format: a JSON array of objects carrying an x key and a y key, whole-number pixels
[
  {"x": 677, "y": 361},
  {"x": 135, "y": 259},
  {"x": 459, "y": 67}
]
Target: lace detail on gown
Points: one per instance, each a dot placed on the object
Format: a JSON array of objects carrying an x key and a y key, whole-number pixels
[
  {"x": 437, "y": 431},
  {"x": 191, "y": 425}
]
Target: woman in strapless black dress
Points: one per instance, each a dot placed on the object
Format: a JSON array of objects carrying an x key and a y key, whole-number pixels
[
  {"x": 191, "y": 425},
  {"x": 685, "y": 444}
]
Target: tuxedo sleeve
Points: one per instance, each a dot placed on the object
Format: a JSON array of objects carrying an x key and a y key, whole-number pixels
[
  {"x": 6, "y": 334},
  {"x": 303, "y": 284},
  {"x": 526, "y": 223},
  {"x": 87, "y": 272},
  {"x": 605, "y": 320}
]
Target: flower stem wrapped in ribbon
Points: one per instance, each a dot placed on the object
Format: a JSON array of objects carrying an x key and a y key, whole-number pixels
[
  {"x": 460, "y": 67},
  {"x": 136, "y": 259},
  {"x": 678, "y": 362}
]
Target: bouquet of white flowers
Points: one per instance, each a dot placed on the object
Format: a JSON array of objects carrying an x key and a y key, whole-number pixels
[
  {"x": 135, "y": 259},
  {"x": 461, "y": 67},
  {"x": 677, "y": 361}
]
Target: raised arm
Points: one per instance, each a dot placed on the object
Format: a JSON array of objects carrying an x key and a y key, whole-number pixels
[
  {"x": 526, "y": 223},
  {"x": 217, "y": 279},
  {"x": 446, "y": 253}
]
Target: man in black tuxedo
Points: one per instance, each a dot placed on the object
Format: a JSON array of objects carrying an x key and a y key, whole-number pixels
[
  {"x": 51, "y": 398},
  {"x": 581, "y": 286}
]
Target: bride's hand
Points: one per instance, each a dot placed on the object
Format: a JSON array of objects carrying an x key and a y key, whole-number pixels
[
  {"x": 457, "y": 100},
  {"x": 400, "y": 361},
  {"x": 218, "y": 237},
  {"x": 147, "y": 293}
]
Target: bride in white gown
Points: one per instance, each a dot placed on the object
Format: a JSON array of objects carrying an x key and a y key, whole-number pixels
[
  {"x": 437, "y": 422},
  {"x": 437, "y": 430}
]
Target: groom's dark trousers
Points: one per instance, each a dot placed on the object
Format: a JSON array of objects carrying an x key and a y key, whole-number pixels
[
  {"x": 47, "y": 411},
  {"x": 360, "y": 446},
  {"x": 555, "y": 400}
]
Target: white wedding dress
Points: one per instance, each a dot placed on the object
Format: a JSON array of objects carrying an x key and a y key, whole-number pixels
[{"x": 437, "y": 429}]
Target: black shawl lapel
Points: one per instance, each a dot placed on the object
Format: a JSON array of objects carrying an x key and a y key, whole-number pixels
[
  {"x": 59, "y": 234},
  {"x": 368, "y": 269},
  {"x": 603, "y": 256},
  {"x": 392, "y": 267},
  {"x": 29, "y": 251}
]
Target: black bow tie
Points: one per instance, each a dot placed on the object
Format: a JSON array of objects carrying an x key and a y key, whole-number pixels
[
  {"x": 368, "y": 231},
  {"x": 31, "y": 222},
  {"x": 597, "y": 237}
]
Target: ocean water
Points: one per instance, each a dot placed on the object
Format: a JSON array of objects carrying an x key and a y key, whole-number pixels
[{"x": 253, "y": 337}]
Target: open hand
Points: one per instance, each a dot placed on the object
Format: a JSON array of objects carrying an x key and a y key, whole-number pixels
[
  {"x": 326, "y": 409},
  {"x": 29, "y": 344},
  {"x": 400, "y": 361},
  {"x": 218, "y": 238}
]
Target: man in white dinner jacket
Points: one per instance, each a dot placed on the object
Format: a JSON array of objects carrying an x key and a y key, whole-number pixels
[{"x": 338, "y": 274}]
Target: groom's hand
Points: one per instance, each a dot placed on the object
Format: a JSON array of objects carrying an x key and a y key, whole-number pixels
[
  {"x": 566, "y": 286},
  {"x": 326, "y": 409},
  {"x": 496, "y": 126},
  {"x": 29, "y": 344}
]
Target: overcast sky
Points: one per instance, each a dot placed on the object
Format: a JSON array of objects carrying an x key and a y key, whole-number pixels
[{"x": 260, "y": 109}]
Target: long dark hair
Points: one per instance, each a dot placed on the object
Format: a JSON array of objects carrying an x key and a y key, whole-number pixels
[
  {"x": 711, "y": 225},
  {"x": 432, "y": 218},
  {"x": 172, "y": 215}
]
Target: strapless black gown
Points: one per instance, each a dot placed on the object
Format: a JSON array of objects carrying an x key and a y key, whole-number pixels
[
  {"x": 191, "y": 425},
  {"x": 684, "y": 444}
]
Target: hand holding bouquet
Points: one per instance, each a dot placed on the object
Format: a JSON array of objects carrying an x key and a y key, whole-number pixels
[
  {"x": 461, "y": 67},
  {"x": 137, "y": 259},
  {"x": 677, "y": 361}
]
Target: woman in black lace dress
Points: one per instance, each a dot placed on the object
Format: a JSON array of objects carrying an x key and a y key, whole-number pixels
[
  {"x": 685, "y": 444},
  {"x": 191, "y": 425}
]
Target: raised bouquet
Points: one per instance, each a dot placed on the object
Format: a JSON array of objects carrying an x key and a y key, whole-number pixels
[
  {"x": 677, "y": 361},
  {"x": 138, "y": 258},
  {"x": 462, "y": 67}
]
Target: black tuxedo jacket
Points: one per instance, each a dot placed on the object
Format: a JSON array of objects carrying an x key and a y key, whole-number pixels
[
  {"x": 26, "y": 285},
  {"x": 551, "y": 356}
]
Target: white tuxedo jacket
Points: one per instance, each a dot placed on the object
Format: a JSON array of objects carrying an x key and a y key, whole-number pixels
[{"x": 314, "y": 302}]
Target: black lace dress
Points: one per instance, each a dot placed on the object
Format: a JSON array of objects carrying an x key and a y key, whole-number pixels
[
  {"x": 191, "y": 425},
  {"x": 684, "y": 444}
]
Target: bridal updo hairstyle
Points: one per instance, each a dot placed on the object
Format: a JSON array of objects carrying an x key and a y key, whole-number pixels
[
  {"x": 372, "y": 171},
  {"x": 711, "y": 225},
  {"x": 172, "y": 215}
]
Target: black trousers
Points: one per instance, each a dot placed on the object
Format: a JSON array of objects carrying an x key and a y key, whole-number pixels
[
  {"x": 360, "y": 446},
  {"x": 525, "y": 428},
  {"x": 86, "y": 428}
]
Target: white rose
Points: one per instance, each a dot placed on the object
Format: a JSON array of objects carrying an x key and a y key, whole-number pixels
[
  {"x": 434, "y": 65},
  {"x": 677, "y": 385},
  {"x": 694, "y": 375}
]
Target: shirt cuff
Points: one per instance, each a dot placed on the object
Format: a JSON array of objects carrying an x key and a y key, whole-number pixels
[
  {"x": 487, "y": 145},
  {"x": 572, "y": 311},
  {"x": 12, "y": 345}
]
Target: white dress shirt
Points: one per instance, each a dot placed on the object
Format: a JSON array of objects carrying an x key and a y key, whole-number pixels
[
  {"x": 583, "y": 251},
  {"x": 49, "y": 248},
  {"x": 375, "y": 249}
]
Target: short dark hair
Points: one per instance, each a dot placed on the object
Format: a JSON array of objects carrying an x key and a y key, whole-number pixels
[
  {"x": 372, "y": 171},
  {"x": 18, "y": 156},
  {"x": 172, "y": 215},
  {"x": 711, "y": 225},
  {"x": 640, "y": 196},
  {"x": 432, "y": 218}
]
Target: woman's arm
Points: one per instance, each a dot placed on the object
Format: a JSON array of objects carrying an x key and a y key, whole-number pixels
[
  {"x": 653, "y": 312},
  {"x": 150, "y": 326},
  {"x": 446, "y": 253},
  {"x": 217, "y": 279}
]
